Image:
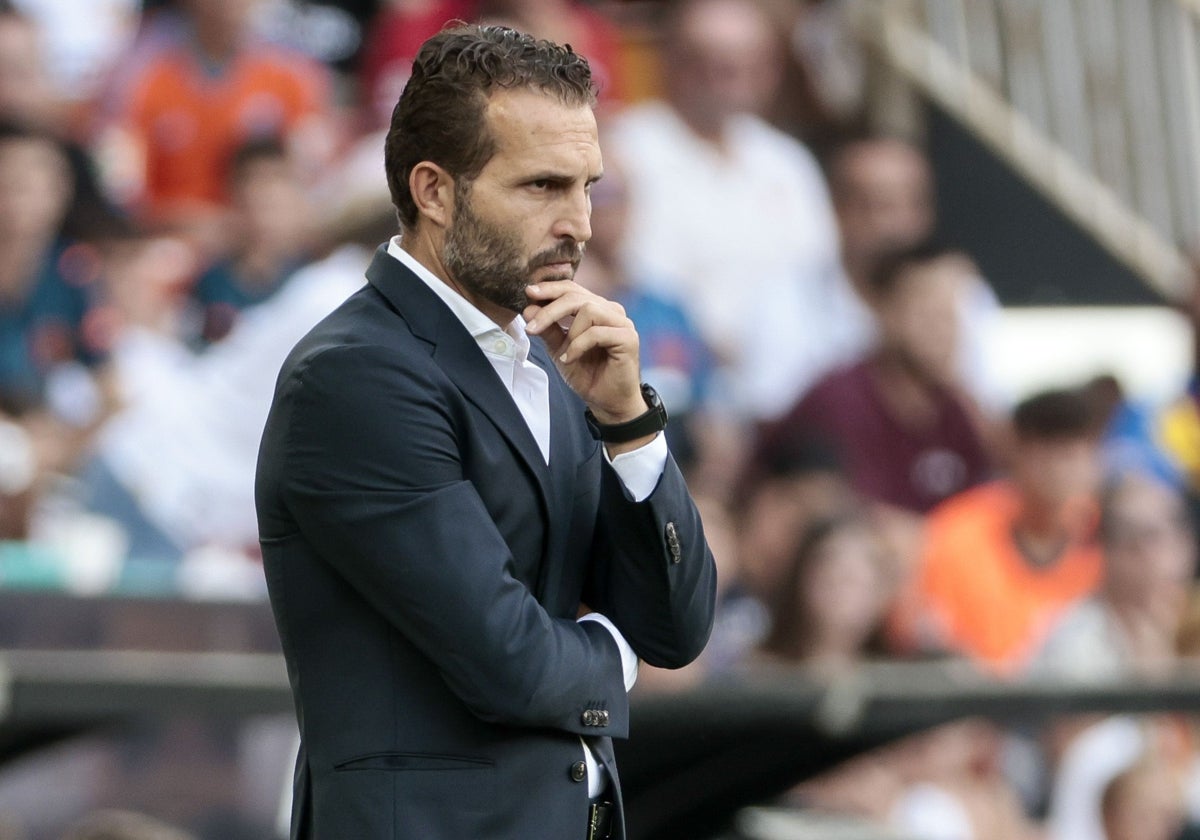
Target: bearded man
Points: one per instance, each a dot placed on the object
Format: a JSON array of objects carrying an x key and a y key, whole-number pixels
[{"x": 472, "y": 528}]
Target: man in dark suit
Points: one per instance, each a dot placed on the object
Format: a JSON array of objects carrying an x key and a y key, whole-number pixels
[{"x": 437, "y": 498}]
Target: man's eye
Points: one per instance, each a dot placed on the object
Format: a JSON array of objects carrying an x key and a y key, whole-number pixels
[{"x": 541, "y": 184}]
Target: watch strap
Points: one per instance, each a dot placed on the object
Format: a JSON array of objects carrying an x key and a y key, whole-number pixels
[{"x": 654, "y": 420}]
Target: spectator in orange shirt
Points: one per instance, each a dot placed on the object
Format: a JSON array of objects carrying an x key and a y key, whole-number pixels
[
  {"x": 201, "y": 91},
  {"x": 1001, "y": 561}
]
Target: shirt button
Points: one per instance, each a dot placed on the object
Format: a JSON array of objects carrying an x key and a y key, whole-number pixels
[
  {"x": 501, "y": 346},
  {"x": 578, "y": 771}
]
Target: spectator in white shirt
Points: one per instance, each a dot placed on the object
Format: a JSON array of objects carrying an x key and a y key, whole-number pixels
[{"x": 727, "y": 212}]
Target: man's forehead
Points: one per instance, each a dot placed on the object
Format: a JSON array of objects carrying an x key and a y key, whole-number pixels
[{"x": 529, "y": 121}]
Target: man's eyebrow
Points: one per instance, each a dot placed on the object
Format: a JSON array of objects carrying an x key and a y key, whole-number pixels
[
  {"x": 559, "y": 178},
  {"x": 553, "y": 177}
]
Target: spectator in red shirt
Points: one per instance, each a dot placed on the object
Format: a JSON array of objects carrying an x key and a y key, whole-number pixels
[
  {"x": 898, "y": 417},
  {"x": 396, "y": 32}
]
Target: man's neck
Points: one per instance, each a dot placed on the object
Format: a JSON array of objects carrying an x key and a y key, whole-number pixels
[
  {"x": 714, "y": 132},
  {"x": 1042, "y": 536},
  {"x": 214, "y": 49},
  {"x": 908, "y": 394}
]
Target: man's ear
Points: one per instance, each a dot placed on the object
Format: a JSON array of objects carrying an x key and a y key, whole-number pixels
[{"x": 432, "y": 190}]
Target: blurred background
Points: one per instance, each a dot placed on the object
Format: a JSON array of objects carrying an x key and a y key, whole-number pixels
[{"x": 918, "y": 280}]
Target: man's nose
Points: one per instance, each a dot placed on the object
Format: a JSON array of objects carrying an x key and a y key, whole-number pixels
[{"x": 575, "y": 217}]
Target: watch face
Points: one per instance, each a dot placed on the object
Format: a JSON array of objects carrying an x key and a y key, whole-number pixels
[{"x": 652, "y": 398}]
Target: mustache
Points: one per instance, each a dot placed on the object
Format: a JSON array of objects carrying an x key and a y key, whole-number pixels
[{"x": 571, "y": 252}]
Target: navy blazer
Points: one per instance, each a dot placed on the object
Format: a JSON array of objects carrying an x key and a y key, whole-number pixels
[{"x": 426, "y": 567}]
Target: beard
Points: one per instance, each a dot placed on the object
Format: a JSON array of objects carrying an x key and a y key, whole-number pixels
[{"x": 486, "y": 259}]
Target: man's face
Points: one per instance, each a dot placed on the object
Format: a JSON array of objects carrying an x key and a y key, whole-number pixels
[
  {"x": 526, "y": 216},
  {"x": 883, "y": 198},
  {"x": 920, "y": 317},
  {"x": 272, "y": 205},
  {"x": 1057, "y": 474},
  {"x": 1150, "y": 554},
  {"x": 35, "y": 185},
  {"x": 725, "y": 63}
]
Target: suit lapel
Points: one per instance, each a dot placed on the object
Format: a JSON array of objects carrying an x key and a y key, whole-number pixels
[
  {"x": 562, "y": 472},
  {"x": 463, "y": 362}
]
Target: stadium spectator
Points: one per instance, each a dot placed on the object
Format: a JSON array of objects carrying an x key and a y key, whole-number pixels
[
  {"x": 945, "y": 783},
  {"x": 883, "y": 195},
  {"x": 1178, "y": 427},
  {"x": 1086, "y": 799},
  {"x": 1143, "y": 803},
  {"x": 46, "y": 290},
  {"x": 28, "y": 98},
  {"x": 1128, "y": 629},
  {"x": 728, "y": 213},
  {"x": 1001, "y": 561},
  {"x": 829, "y": 610},
  {"x": 777, "y": 502},
  {"x": 197, "y": 92},
  {"x": 271, "y": 227},
  {"x": 897, "y": 417}
]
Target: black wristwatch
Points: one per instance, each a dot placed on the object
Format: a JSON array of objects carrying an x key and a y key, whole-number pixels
[{"x": 654, "y": 420}]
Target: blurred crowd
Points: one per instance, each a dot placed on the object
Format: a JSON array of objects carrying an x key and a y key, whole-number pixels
[{"x": 186, "y": 187}]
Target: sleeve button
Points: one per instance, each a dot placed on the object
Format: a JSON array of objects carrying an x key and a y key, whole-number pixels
[{"x": 673, "y": 542}]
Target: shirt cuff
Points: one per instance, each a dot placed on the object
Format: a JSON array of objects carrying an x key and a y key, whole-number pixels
[
  {"x": 641, "y": 469},
  {"x": 629, "y": 660}
]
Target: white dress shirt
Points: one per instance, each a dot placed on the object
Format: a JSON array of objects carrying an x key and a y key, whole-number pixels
[{"x": 508, "y": 352}]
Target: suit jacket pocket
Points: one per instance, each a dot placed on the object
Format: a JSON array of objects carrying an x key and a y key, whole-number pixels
[
  {"x": 413, "y": 761},
  {"x": 407, "y": 795}
]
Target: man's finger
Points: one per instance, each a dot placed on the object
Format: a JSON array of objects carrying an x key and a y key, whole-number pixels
[
  {"x": 559, "y": 310},
  {"x": 599, "y": 336}
]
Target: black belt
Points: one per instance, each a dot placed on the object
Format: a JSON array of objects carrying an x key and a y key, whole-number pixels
[{"x": 600, "y": 820}]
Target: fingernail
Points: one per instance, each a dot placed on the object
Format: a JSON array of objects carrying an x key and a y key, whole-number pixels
[
  {"x": 563, "y": 357},
  {"x": 533, "y": 287}
]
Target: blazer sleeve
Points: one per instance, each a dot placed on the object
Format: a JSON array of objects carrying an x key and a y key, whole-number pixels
[
  {"x": 654, "y": 575},
  {"x": 374, "y": 481}
]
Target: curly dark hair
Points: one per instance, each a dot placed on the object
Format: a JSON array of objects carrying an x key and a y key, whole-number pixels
[{"x": 440, "y": 116}]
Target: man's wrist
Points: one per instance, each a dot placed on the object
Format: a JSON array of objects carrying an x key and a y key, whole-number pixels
[{"x": 632, "y": 426}]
